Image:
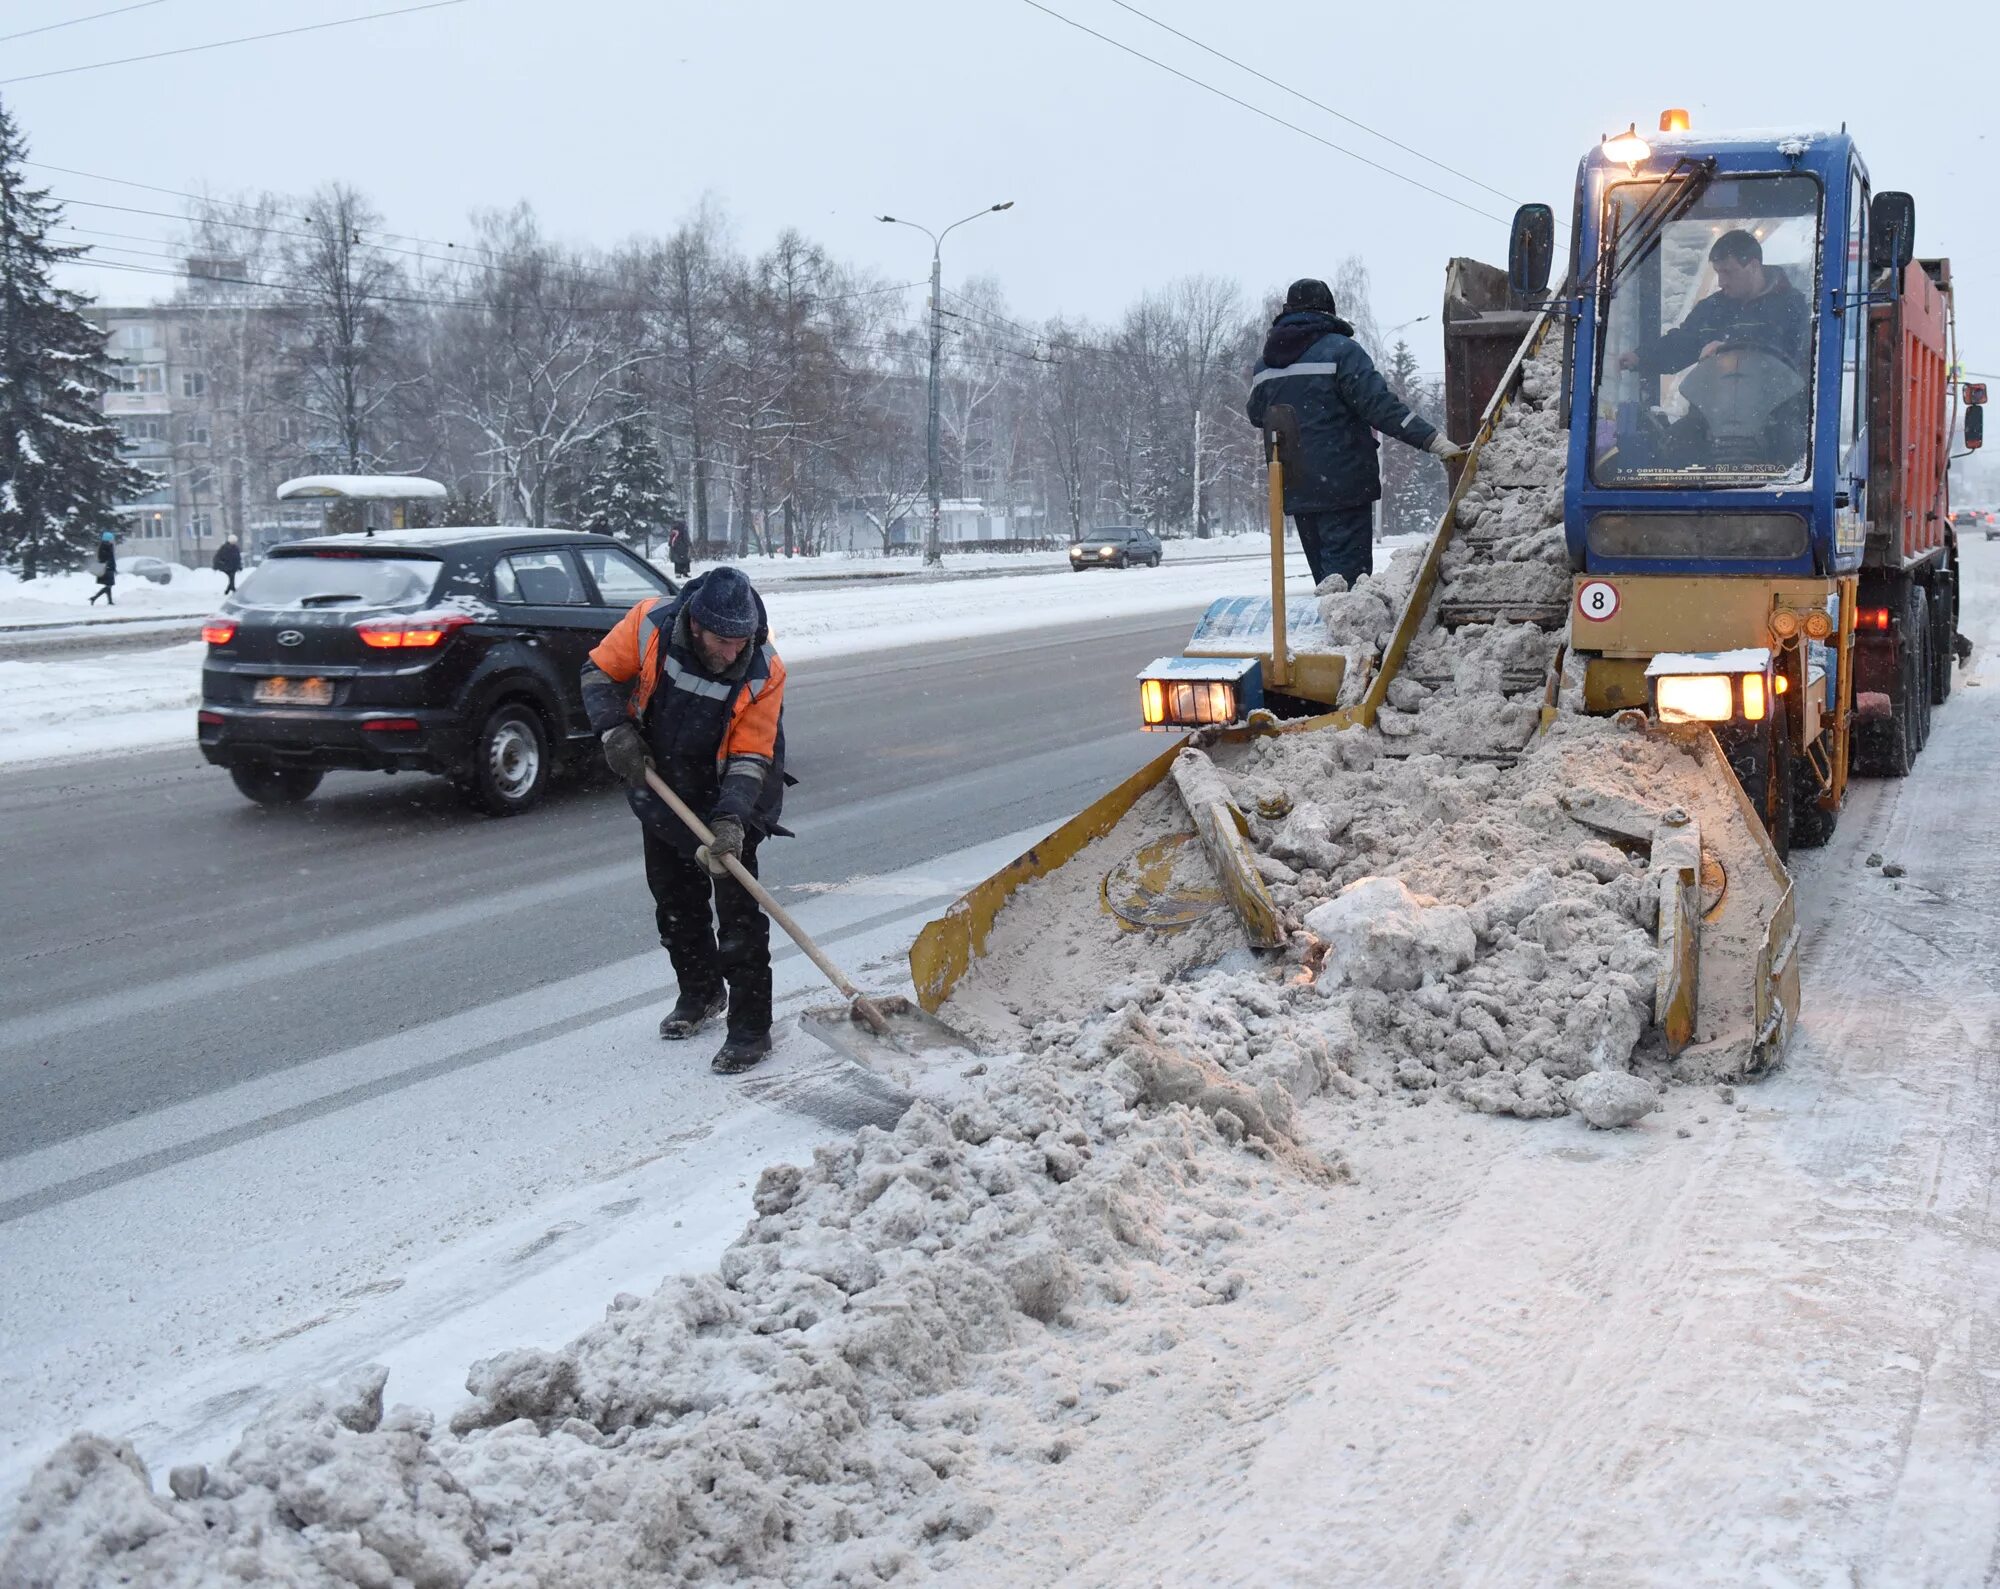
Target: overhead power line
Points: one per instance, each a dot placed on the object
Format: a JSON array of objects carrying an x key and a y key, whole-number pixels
[
  {"x": 584, "y": 274},
  {"x": 1259, "y": 110},
  {"x": 223, "y": 44},
  {"x": 95, "y": 16},
  {"x": 1286, "y": 88}
]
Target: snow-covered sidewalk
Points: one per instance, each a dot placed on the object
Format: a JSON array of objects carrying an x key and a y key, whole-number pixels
[
  {"x": 131, "y": 700},
  {"x": 63, "y": 600}
]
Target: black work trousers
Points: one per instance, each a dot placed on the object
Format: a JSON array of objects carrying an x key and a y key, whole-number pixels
[
  {"x": 690, "y": 905},
  {"x": 1341, "y": 542}
]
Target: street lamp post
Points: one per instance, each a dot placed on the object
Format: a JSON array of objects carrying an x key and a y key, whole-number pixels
[{"x": 933, "y": 552}]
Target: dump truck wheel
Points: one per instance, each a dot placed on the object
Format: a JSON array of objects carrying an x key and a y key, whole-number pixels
[
  {"x": 1812, "y": 825},
  {"x": 1761, "y": 758},
  {"x": 1920, "y": 685},
  {"x": 1944, "y": 634}
]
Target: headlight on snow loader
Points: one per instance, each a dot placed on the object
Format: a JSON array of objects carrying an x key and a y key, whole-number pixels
[
  {"x": 1712, "y": 686},
  {"x": 1199, "y": 692},
  {"x": 1695, "y": 698}
]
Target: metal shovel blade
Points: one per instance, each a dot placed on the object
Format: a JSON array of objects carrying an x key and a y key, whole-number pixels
[{"x": 914, "y": 1035}]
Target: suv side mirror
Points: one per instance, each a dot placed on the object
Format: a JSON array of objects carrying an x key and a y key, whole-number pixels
[
  {"x": 1975, "y": 428},
  {"x": 1531, "y": 251},
  {"x": 1892, "y": 233}
]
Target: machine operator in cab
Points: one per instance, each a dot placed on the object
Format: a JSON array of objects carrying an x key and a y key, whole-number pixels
[{"x": 1754, "y": 305}]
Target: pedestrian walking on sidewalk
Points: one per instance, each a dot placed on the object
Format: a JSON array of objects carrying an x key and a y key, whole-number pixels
[
  {"x": 1312, "y": 363},
  {"x": 679, "y": 549},
  {"x": 690, "y": 686},
  {"x": 107, "y": 569},
  {"x": 228, "y": 560}
]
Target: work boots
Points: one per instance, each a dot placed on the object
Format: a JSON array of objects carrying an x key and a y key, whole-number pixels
[
  {"x": 692, "y": 1012},
  {"x": 739, "y": 1051}
]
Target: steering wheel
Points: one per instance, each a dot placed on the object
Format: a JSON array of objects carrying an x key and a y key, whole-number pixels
[{"x": 1740, "y": 388}]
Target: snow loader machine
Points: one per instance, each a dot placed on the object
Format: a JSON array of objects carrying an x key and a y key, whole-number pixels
[{"x": 1748, "y": 549}]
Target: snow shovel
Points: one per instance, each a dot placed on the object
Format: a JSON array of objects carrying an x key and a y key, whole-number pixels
[{"x": 872, "y": 1027}]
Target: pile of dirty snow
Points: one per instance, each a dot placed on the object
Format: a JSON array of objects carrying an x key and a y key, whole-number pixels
[{"x": 916, "y": 1319}]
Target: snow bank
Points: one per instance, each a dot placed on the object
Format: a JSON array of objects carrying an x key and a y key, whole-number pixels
[
  {"x": 65, "y": 598},
  {"x": 904, "y": 1318},
  {"x": 122, "y": 700}
]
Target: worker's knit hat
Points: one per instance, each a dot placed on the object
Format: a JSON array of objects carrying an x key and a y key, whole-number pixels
[
  {"x": 1309, "y": 292},
  {"x": 723, "y": 603}
]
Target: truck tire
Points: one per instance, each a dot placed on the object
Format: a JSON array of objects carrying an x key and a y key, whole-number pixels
[
  {"x": 1944, "y": 637},
  {"x": 1811, "y": 825},
  {"x": 1762, "y": 761},
  {"x": 1926, "y": 670},
  {"x": 1887, "y": 748}
]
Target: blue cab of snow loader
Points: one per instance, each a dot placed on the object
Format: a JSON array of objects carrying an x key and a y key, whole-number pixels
[{"x": 1756, "y": 410}]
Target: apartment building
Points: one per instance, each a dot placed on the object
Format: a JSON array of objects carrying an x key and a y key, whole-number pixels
[{"x": 190, "y": 394}]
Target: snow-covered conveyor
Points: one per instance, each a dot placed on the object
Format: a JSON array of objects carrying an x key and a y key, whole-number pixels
[{"x": 1453, "y": 692}]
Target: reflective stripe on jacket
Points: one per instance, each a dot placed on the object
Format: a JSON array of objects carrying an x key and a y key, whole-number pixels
[{"x": 1312, "y": 363}]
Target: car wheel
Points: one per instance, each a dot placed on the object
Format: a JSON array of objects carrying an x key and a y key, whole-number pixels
[
  {"x": 510, "y": 761},
  {"x": 276, "y": 786}
]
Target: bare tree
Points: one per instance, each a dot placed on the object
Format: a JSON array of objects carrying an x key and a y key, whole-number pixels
[
  {"x": 342, "y": 298},
  {"x": 231, "y": 247},
  {"x": 538, "y": 359},
  {"x": 688, "y": 287}
]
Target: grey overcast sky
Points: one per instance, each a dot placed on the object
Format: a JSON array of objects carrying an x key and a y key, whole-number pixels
[{"x": 614, "y": 118}]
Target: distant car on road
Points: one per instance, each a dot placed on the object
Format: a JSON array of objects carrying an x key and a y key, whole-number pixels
[
  {"x": 1968, "y": 519},
  {"x": 451, "y": 651},
  {"x": 1120, "y": 546},
  {"x": 157, "y": 569}
]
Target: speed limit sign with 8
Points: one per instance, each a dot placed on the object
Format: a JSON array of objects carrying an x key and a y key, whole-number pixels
[{"x": 1597, "y": 600}]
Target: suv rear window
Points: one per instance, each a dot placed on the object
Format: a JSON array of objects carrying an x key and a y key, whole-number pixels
[{"x": 340, "y": 581}]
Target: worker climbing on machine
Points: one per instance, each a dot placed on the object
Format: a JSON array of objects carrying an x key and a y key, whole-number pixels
[
  {"x": 1753, "y": 305},
  {"x": 1312, "y": 364},
  {"x": 690, "y": 688}
]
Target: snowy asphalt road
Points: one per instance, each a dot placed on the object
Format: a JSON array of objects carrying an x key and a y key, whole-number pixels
[
  {"x": 376, "y": 1080},
  {"x": 212, "y": 942}
]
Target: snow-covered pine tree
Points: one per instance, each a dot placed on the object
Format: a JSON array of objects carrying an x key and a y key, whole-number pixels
[
  {"x": 627, "y": 495},
  {"x": 1414, "y": 488},
  {"x": 61, "y": 473}
]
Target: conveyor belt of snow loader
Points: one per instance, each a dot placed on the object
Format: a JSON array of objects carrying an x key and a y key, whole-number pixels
[{"x": 1729, "y": 984}]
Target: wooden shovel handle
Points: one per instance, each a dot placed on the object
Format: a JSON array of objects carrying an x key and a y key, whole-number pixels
[{"x": 867, "y": 1009}]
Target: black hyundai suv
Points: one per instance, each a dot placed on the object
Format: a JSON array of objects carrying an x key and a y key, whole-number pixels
[{"x": 453, "y": 651}]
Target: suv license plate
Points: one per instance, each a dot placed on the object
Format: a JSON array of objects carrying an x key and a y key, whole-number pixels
[{"x": 294, "y": 692}]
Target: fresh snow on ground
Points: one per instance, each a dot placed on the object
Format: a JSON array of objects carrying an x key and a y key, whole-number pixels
[
  {"x": 65, "y": 598},
  {"x": 130, "y": 700},
  {"x": 1161, "y": 1303}
]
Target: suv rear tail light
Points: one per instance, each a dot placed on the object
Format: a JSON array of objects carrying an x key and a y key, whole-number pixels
[
  {"x": 218, "y": 631},
  {"x": 1876, "y": 618},
  {"x": 392, "y": 725},
  {"x": 409, "y": 635}
]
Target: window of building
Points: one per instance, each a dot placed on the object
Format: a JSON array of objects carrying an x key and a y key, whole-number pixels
[
  {"x": 201, "y": 480},
  {"x": 135, "y": 429},
  {"x": 154, "y": 524},
  {"x": 194, "y": 383},
  {"x": 199, "y": 436},
  {"x": 135, "y": 338},
  {"x": 201, "y": 526},
  {"x": 288, "y": 428},
  {"x": 139, "y": 379}
]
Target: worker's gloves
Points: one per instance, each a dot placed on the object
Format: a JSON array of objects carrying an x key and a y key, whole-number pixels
[
  {"x": 625, "y": 754},
  {"x": 726, "y": 844},
  {"x": 1442, "y": 446}
]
